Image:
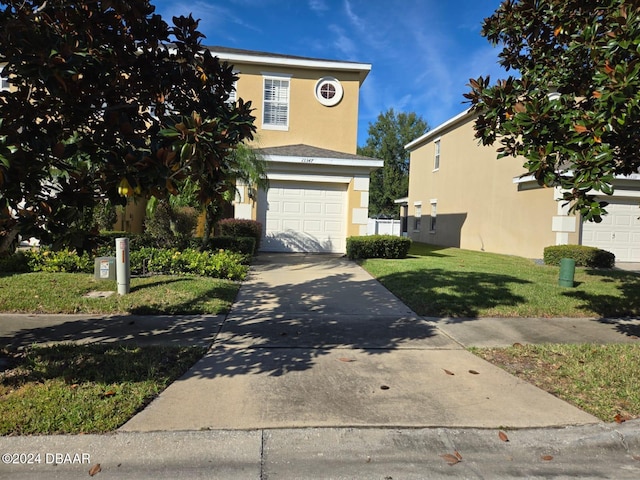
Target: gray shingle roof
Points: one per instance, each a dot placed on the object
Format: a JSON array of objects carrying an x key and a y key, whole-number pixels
[{"x": 301, "y": 150}]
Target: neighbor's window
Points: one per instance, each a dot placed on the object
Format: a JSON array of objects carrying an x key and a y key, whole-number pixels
[
  {"x": 417, "y": 217},
  {"x": 276, "y": 103},
  {"x": 436, "y": 157},
  {"x": 4, "y": 81},
  {"x": 233, "y": 94},
  {"x": 434, "y": 213}
]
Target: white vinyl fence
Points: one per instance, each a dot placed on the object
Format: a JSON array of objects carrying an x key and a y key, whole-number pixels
[{"x": 378, "y": 226}]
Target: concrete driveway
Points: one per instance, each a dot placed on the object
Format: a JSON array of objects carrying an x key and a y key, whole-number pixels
[{"x": 315, "y": 341}]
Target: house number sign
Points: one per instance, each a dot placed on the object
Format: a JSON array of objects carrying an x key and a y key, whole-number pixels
[{"x": 307, "y": 160}]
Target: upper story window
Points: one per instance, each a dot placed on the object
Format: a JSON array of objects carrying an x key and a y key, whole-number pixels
[
  {"x": 233, "y": 94},
  {"x": 329, "y": 91},
  {"x": 436, "y": 156},
  {"x": 276, "y": 103}
]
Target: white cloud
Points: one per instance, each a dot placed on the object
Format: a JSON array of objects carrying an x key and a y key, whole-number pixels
[
  {"x": 353, "y": 18},
  {"x": 213, "y": 18},
  {"x": 343, "y": 43},
  {"x": 318, "y": 6}
]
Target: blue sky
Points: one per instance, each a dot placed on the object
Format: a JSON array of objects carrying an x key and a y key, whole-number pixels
[{"x": 422, "y": 52}]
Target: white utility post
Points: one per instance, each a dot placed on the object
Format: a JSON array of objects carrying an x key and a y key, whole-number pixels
[{"x": 123, "y": 270}]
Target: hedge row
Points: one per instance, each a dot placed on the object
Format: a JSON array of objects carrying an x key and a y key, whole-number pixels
[
  {"x": 221, "y": 264},
  {"x": 378, "y": 246},
  {"x": 584, "y": 256},
  {"x": 235, "y": 227}
]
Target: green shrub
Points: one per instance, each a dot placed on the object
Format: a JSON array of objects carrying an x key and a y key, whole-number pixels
[
  {"x": 107, "y": 242},
  {"x": 378, "y": 246},
  {"x": 171, "y": 227},
  {"x": 15, "y": 263},
  {"x": 105, "y": 215},
  {"x": 222, "y": 264},
  {"x": 217, "y": 264},
  {"x": 245, "y": 245},
  {"x": 584, "y": 256},
  {"x": 234, "y": 227},
  {"x": 46, "y": 260}
]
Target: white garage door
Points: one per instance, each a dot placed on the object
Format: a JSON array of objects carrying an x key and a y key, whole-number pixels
[
  {"x": 618, "y": 233},
  {"x": 303, "y": 217}
]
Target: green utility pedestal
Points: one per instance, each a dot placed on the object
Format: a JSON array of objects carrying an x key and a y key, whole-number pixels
[{"x": 567, "y": 272}]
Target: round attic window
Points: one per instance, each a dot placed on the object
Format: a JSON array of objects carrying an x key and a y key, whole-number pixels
[{"x": 328, "y": 91}]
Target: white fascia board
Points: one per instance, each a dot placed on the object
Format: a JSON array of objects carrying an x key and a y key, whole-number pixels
[
  {"x": 363, "y": 68},
  {"x": 432, "y": 134},
  {"x": 296, "y": 177},
  {"x": 345, "y": 162}
]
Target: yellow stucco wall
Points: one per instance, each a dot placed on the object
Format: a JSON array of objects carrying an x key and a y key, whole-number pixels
[
  {"x": 310, "y": 122},
  {"x": 478, "y": 205}
]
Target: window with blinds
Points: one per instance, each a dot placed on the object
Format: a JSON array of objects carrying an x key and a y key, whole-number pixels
[{"x": 276, "y": 103}]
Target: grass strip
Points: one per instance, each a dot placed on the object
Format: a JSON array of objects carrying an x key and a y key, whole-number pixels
[
  {"x": 599, "y": 379},
  {"x": 163, "y": 294},
  {"x": 72, "y": 389}
]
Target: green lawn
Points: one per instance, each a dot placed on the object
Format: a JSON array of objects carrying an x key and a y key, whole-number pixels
[
  {"x": 84, "y": 388},
  {"x": 600, "y": 379},
  {"x": 450, "y": 282},
  {"x": 64, "y": 293}
]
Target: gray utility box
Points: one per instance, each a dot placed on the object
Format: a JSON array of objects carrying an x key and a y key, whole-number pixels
[{"x": 105, "y": 268}]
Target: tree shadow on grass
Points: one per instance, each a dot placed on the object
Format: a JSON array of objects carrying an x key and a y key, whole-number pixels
[
  {"x": 156, "y": 283},
  {"x": 444, "y": 293},
  {"x": 102, "y": 363},
  {"x": 426, "y": 250},
  {"x": 614, "y": 309}
]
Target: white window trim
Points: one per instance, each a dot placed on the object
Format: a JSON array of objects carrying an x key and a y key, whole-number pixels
[
  {"x": 338, "y": 91},
  {"x": 434, "y": 215},
  {"x": 417, "y": 219},
  {"x": 436, "y": 154},
  {"x": 275, "y": 76},
  {"x": 233, "y": 94}
]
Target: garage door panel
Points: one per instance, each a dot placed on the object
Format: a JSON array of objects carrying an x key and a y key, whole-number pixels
[
  {"x": 618, "y": 233},
  {"x": 333, "y": 209},
  {"x": 289, "y": 207},
  {"x": 290, "y": 224},
  {"x": 312, "y": 226},
  {"x": 623, "y": 220},
  {"x": 313, "y": 208},
  {"x": 304, "y": 217},
  {"x": 334, "y": 227}
]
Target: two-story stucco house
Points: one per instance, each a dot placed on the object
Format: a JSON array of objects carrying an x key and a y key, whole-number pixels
[
  {"x": 307, "y": 119},
  {"x": 461, "y": 195},
  {"x": 306, "y": 113}
]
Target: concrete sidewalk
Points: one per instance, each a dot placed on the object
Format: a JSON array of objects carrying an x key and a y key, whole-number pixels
[{"x": 315, "y": 341}]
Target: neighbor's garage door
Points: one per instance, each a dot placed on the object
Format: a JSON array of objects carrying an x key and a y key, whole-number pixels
[
  {"x": 303, "y": 217},
  {"x": 618, "y": 233}
]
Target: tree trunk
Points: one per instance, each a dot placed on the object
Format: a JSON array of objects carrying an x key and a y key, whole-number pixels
[{"x": 9, "y": 241}]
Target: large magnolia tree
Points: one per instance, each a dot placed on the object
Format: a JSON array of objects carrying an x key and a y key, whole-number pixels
[
  {"x": 572, "y": 108},
  {"x": 108, "y": 101}
]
